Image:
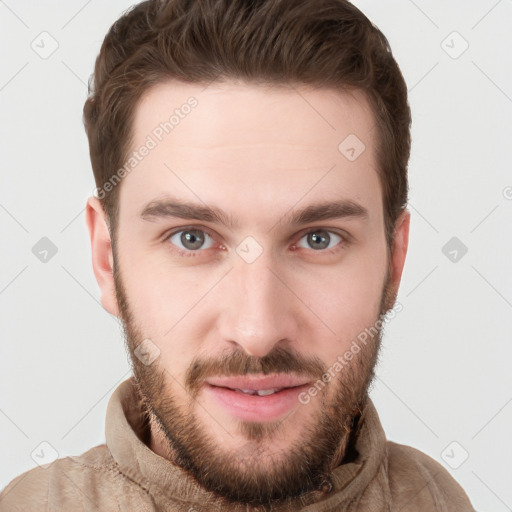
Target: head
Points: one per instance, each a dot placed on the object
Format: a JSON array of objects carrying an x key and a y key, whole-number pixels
[{"x": 249, "y": 226}]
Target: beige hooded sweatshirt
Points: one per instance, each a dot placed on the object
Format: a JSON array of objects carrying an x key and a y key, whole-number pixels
[{"x": 125, "y": 475}]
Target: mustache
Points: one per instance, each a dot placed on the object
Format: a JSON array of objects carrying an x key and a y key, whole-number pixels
[{"x": 238, "y": 363}]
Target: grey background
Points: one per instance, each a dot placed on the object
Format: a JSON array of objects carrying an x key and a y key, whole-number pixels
[{"x": 444, "y": 374}]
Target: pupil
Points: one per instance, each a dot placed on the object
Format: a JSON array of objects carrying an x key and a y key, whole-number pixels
[
  {"x": 319, "y": 241},
  {"x": 191, "y": 238}
]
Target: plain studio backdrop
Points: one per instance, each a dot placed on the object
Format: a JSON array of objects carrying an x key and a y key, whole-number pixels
[{"x": 444, "y": 381}]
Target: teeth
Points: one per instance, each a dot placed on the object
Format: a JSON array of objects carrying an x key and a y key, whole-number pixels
[
  {"x": 260, "y": 392},
  {"x": 265, "y": 392}
]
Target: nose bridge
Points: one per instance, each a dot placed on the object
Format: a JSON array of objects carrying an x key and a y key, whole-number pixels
[{"x": 259, "y": 313}]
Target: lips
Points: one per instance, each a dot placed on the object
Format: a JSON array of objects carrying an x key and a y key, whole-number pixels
[
  {"x": 256, "y": 398},
  {"x": 257, "y": 383}
]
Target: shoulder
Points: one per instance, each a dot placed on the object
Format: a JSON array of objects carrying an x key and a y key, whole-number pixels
[
  {"x": 64, "y": 481},
  {"x": 417, "y": 481}
]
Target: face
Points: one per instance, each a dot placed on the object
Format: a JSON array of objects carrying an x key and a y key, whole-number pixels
[{"x": 250, "y": 256}]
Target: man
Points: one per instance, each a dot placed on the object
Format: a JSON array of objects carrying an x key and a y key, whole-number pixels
[{"x": 250, "y": 229}]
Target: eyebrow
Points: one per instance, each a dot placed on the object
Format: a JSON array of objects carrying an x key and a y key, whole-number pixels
[{"x": 170, "y": 208}]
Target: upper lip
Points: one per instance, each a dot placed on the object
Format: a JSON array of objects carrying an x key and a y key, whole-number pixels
[{"x": 258, "y": 382}]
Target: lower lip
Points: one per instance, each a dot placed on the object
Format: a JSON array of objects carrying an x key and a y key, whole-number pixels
[{"x": 253, "y": 407}]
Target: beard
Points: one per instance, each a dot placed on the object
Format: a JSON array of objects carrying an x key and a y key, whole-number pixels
[{"x": 253, "y": 473}]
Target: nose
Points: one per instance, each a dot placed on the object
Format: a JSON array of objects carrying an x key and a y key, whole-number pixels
[{"x": 260, "y": 310}]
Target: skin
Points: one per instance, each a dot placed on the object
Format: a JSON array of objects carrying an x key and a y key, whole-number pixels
[{"x": 258, "y": 153}]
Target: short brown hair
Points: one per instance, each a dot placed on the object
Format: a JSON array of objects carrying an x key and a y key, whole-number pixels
[{"x": 324, "y": 43}]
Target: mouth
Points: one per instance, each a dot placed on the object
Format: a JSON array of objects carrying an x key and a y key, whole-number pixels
[{"x": 256, "y": 398}]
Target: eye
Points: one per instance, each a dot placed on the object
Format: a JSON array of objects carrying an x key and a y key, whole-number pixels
[
  {"x": 320, "y": 239},
  {"x": 190, "y": 240}
]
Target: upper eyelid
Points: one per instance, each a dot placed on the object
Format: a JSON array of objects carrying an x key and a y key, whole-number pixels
[
  {"x": 338, "y": 232},
  {"x": 188, "y": 228}
]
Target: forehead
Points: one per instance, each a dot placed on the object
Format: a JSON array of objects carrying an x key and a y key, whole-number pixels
[{"x": 260, "y": 147}]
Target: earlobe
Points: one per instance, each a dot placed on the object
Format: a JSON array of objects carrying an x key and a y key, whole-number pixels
[{"x": 101, "y": 252}]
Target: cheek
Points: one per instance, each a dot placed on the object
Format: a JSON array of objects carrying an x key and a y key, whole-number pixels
[
  {"x": 163, "y": 300},
  {"x": 347, "y": 300},
  {"x": 160, "y": 293}
]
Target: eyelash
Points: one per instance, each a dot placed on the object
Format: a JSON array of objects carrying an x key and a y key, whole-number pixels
[{"x": 181, "y": 252}]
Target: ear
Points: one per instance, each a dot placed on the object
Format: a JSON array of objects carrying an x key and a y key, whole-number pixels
[
  {"x": 399, "y": 249},
  {"x": 102, "y": 257}
]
